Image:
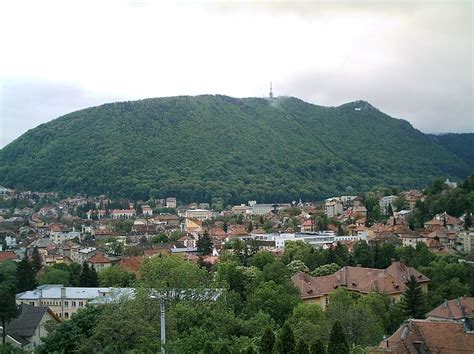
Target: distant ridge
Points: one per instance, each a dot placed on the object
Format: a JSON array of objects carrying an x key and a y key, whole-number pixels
[{"x": 205, "y": 147}]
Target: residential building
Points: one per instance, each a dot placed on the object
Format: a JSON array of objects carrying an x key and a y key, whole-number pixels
[
  {"x": 123, "y": 213},
  {"x": 199, "y": 214},
  {"x": 193, "y": 226},
  {"x": 261, "y": 209},
  {"x": 424, "y": 336},
  {"x": 99, "y": 261},
  {"x": 391, "y": 281},
  {"x": 411, "y": 239},
  {"x": 62, "y": 301},
  {"x": 453, "y": 310},
  {"x": 467, "y": 239},
  {"x": 29, "y": 328},
  {"x": 8, "y": 256},
  {"x": 62, "y": 236},
  {"x": 146, "y": 210},
  {"x": 171, "y": 203},
  {"x": 333, "y": 207},
  {"x": 384, "y": 203},
  {"x": 81, "y": 255}
]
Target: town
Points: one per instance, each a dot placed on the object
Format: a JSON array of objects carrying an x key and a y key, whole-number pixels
[{"x": 74, "y": 251}]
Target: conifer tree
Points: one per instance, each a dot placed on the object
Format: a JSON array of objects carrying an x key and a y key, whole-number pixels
[
  {"x": 25, "y": 275},
  {"x": 301, "y": 347},
  {"x": 36, "y": 260},
  {"x": 93, "y": 278},
  {"x": 286, "y": 340},
  {"x": 317, "y": 347},
  {"x": 8, "y": 307},
  {"x": 413, "y": 300},
  {"x": 84, "y": 277},
  {"x": 225, "y": 227},
  {"x": 337, "y": 340},
  {"x": 204, "y": 244},
  {"x": 267, "y": 342},
  {"x": 250, "y": 227}
]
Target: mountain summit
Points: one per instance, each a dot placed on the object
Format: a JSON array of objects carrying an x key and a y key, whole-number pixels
[{"x": 205, "y": 147}]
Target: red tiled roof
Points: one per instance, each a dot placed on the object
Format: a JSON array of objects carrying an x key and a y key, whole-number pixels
[
  {"x": 132, "y": 264},
  {"x": 99, "y": 258},
  {"x": 417, "y": 336},
  {"x": 363, "y": 280},
  {"x": 455, "y": 309},
  {"x": 7, "y": 255}
]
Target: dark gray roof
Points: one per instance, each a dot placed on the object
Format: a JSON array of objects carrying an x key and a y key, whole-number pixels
[{"x": 25, "y": 324}]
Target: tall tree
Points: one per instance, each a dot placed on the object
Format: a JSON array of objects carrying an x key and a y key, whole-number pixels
[
  {"x": 25, "y": 275},
  {"x": 413, "y": 300},
  {"x": 93, "y": 278},
  {"x": 85, "y": 275},
  {"x": 337, "y": 340},
  {"x": 204, "y": 244},
  {"x": 286, "y": 340},
  {"x": 317, "y": 347},
  {"x": 8, "y": 308},
  {"x": 301, "y": 347},
  {"x": 267, "y": 342},
  {"x": 36, "y": 259}
]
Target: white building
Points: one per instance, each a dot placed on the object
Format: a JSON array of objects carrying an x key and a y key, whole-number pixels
[
  {"x": 198, "y": 214},
  {"x": 384, "y": 202},
  {"x": 333, "y": 207},
  {"x": 147, "y": 211},
  {"x": 467, "y": 239},
  {"x": 62, "y": 301},
  {"x": 123, "y": 213},
  {"x": 62, "y": 236},
  {"x": 260, "y": 209}
]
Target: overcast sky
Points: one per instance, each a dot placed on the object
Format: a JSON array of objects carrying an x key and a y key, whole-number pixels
[{"x": 412, "y": 60}]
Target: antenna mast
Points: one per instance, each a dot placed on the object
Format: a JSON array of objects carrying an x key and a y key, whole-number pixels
[{"x": 271, "y": 91}]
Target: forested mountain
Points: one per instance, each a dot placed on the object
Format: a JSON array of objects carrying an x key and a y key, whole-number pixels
[
  {"x": 204, "y": 147},
  {"x": 460, "y": 144}
]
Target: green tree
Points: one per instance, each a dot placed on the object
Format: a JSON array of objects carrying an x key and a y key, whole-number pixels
[
  {"x": 116, "y": 276},
  {"x": 286, "y": 340},
  {"x": 297, "y": 266},
  {"x": 55, "y": 276},
  {"x": 8, "y": 307},
  {"x": 337, "y": 340},
  {"x": 93, "y": 277},
  {"x": 317, "y": 347},
  {"x": 36, "y": 260},
  {"x": 224, "y": 226},
  {"x": 261, "y": 259},
  {"x": 250, "y": 227},
  {"x": 25, "y": 274},
  {"x": 301, "y": 347},
  {"x": 204, "y": 244},
  {"x": 326, "y": 269},
  {"x": 413, "y": 300},
  {"x": 267, "y": 342}
]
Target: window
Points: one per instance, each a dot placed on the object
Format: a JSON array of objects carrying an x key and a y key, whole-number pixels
[
  {"x": 66, "y": 315},
  {"x": 81, "y": 304},
  {"x": 327, "y": 301},
  {"x": 73, "y": 304},
  {"x": 66, "y": 303},
  {"x": 32, "y": 303}
]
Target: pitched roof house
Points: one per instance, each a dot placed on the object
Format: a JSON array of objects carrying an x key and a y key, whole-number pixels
[
  {"x": 27, "y": 330},
  {"x": 422, "y": 336},
  {"x": 456, "y": 309},
  {"x": 361, "y": 280}
]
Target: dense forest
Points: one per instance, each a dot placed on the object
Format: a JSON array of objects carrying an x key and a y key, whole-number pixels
[
  {"x": 460, "y": 144},
  {"x": 205, "y": 147}
]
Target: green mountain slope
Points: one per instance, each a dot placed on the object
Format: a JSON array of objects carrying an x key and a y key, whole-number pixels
[
  {"x": 460, "y": 144},
  {"x": 199, "y": 148}
]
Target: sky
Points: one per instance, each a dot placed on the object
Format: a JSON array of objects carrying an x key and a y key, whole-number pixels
[{"x": 410, "y": 59}]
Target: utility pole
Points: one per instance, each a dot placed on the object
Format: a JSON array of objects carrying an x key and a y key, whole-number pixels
[{"x": 162, "y": 324}]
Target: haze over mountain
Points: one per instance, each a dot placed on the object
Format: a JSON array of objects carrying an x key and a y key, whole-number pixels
[{"x": 204, "y": 147}]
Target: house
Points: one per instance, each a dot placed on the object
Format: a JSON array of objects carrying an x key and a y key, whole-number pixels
[
  {"x": 193, "y": 226},
  {"x": 412, "y": 238},
  {"x": 27, "y": 330},
  {"x": 453, "y": 310},
  {"x": 391, "y": 281},
  {"x": 8, "y": 256},
  {"x": 146, "y": 210},
  {"x": 62, "y": 301},
  {"x": 424, "y": 336},
  {"x": 308, "y": 226},
  {"x": 261, "y": 209},
  {"x": 165, "y": 219},
  {"x": 81, "y": 255},
  {"x": 171, "y": 203},
  {"x": 99, "y": 261}
]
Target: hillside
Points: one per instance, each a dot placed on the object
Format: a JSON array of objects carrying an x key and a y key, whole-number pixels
[
  {"x": 199, "y": 148},
  {"x": 460, "y": 144}
]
